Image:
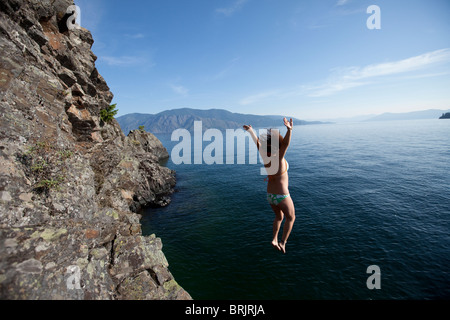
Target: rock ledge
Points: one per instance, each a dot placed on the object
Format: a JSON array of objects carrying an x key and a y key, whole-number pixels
[{"x": 71, "y": 185}]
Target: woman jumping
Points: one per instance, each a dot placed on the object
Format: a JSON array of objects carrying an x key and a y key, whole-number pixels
[{"x": 278, "y": 185}]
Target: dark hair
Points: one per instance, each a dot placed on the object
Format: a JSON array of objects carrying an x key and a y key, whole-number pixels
[{"x": 266, "y": 140}]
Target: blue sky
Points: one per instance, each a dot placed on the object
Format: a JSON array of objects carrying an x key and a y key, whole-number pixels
[{"x": 310, "y": 59}]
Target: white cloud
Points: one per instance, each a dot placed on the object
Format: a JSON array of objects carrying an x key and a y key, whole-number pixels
[
  {"x": 258, "y": 97},
  {"x": 236, "y": 6},
  {"x": 342, "y": 79},
  {"x": 406, "y": 65},
  {"x": 346, "y": 78},
  {"x": 136, "y": 36},
  {"x": 124, "y": 61},
  {"x": 179, "y": 89},
  {"x": 225, "y": 71},
  {"x": 342, "y": 2},
  {"x": 331, "y": 88}
]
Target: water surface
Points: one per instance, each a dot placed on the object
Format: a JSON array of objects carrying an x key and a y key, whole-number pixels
[{"x": 365, "y": 194}]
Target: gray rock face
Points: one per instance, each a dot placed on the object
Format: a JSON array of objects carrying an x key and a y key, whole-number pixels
[
  {"x": 71, "y": 185},
  {"x": 149, "y": 143}
]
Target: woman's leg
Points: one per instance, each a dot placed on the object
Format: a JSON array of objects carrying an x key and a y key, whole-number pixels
[
  {"x": 276, "y": 225},
  {"x": 288, "y": 209}
]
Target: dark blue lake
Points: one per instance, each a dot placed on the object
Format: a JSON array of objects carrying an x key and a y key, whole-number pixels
[{"x": 370, "y": 193}]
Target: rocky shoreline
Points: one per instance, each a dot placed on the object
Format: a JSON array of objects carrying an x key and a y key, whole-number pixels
[{"x": 71, "y": 186}]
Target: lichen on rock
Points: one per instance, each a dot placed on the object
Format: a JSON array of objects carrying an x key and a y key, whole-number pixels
[{"x": 71, "y": 186}]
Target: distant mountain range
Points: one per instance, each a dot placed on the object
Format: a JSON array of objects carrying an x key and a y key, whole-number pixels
[
  {"x": 168, "y": 121},
  {"x": 415, "y": 115}
]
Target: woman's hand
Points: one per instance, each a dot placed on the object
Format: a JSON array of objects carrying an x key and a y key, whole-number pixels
[
  {"x": 288, "y": 124},
  {"x": 247, "y": 127}
]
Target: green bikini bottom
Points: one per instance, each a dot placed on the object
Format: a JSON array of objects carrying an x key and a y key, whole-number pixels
[{"x": 276, "y": 199}]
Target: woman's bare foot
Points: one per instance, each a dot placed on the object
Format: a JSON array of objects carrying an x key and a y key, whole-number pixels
[
  {"x": 282, "y": 246},
  {"x": 276, "y": 245}
]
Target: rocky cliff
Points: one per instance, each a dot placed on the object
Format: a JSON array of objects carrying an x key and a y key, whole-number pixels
[{"x": 70, "y": 184}]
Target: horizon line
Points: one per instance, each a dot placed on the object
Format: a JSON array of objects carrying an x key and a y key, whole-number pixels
[{"x": 274, "y": 115}]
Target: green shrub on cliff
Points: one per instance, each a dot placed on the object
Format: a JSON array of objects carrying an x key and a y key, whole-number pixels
[
  {"x": 44, "y": 165},
  {"x": 108, "y": 114}
]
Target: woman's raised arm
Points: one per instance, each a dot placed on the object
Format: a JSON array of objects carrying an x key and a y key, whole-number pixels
[
  {"x": 249, "y": 129},
  {"x": 287, "y": 138}
]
